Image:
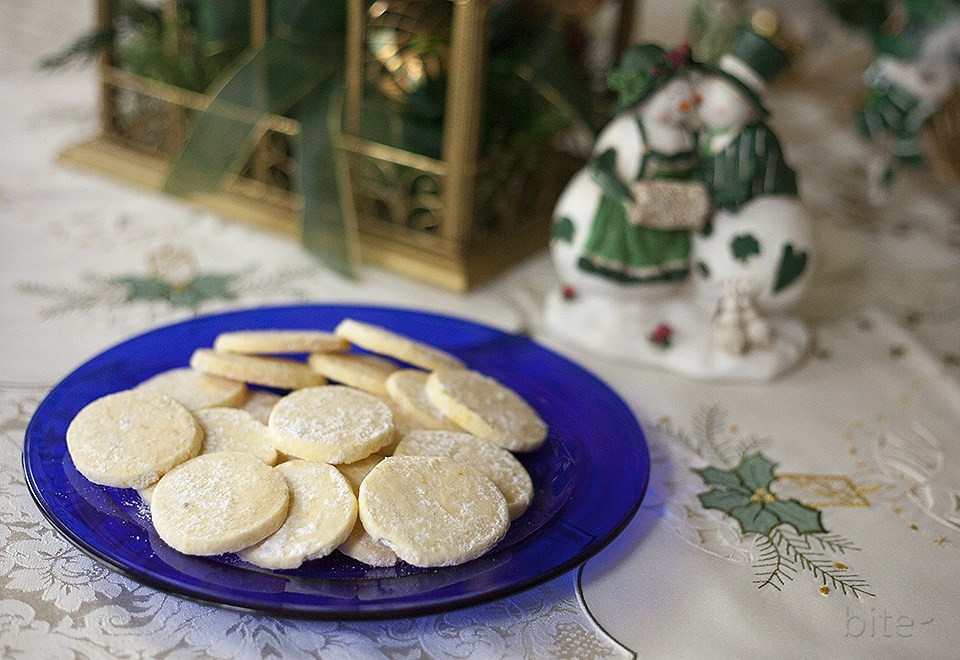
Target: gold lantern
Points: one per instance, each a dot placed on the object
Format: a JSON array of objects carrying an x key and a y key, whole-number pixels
[{"x": 450, "y": 209}]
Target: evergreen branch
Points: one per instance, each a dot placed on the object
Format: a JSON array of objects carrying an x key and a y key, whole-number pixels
[
  {"x": 708, "y": 425},
  {"x": 247, "y": 282},
  {"x": 680, "y": 437},
  {"x": 752, "y": 444},
  {"x": 773, "y": 568},
  {"x": 833, "y": 543},
  {"x": 67, "y": 299},
  {"x": 684, "y": 438},
  {"x": 822, "y": 568}
]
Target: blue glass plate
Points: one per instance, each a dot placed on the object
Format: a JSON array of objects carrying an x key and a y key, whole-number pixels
[{"x": 590, "y": 476}]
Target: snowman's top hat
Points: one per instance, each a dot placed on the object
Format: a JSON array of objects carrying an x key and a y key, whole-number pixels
[
  {"x": 643, "y": 69},
  {"x": 750, "y": 64}
]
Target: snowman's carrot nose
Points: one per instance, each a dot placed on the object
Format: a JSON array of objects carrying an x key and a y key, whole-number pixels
[{"x": 683, "y": 106}]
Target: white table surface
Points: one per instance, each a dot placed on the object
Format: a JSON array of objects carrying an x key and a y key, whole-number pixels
[{"x": 864, "y": 431}]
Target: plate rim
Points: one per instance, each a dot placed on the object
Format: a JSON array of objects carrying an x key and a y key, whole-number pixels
[{"x": 317, "y": 612}]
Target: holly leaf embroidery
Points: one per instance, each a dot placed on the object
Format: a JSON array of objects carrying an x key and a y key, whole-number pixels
[
  {"x": 143, "y": 288},
  {"x": 715, "y": 477},
  {"x": 755, "y": 471},
  {"x": 755, "y": 517},
  {"x": 743, "y": 493},
  {"x": 799, "y": 516},
  {"x": 723, "y": 500},
  {"x": 213, "y": 285}
]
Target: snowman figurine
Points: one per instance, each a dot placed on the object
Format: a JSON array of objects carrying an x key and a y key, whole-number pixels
[
  {"x": 755, "y": 252},
  {"x": 683, "y": 241},
  {"x": 622, "y": 225}
]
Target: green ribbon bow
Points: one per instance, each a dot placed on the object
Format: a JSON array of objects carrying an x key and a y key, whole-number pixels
[{"x": 298, "y": 72}]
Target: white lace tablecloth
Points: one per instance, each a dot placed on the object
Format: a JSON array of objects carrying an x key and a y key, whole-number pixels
[{"x": 864, "y": 434}]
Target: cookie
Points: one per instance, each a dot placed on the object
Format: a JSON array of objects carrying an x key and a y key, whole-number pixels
[
  {"x": 360, "y": 545},
  {"x": 505, "y": 471},
  {"x": 487, "y": 408},
  {"x": 279, "y": 342},
  {"x": 331, "y": 424},
  {"x": 356, "y": 471},
  {"x": 432, "y": 511},
  {"x": 407, "y": 389},
  {"x": 197, "y": 390},
  {"x": 259, "y": 403},
  {"x": 269, "y": 372},
  {"x": 323, "y": 510},
  {"x": 230, "y": 429},
  {"x": 402, "y": 423},
  {"x": 129, "y": 439},
  {"x": 366, "y": 372},
  {"x": 221, "y": 502},
  {"x": 380, "y": 340}
]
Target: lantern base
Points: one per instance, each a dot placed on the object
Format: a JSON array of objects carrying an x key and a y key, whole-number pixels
[{"x": 456, "y": 268}]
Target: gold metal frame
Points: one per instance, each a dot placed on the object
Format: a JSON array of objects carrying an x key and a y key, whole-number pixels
[{"x": 416, "y": 215}]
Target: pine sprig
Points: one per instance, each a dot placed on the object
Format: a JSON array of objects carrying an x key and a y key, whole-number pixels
[
  {"x": 68, "y": 299},
  {"x": 708, "y": 426},
  {"x": 752, "y": 443},
  {"x": 711, "y": 442},
  {"x": 832, "y": 543},
  {"x": 822, "y": 567},
  {"x": 772, "y": 569}
]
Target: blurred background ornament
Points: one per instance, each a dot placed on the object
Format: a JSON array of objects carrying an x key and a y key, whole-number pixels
[
  {"x": 906, "y": 114},
  {"x": 714, "y": 25}
]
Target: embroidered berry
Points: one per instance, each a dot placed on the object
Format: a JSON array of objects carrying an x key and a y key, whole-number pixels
[{"x": 569, "y": 292}]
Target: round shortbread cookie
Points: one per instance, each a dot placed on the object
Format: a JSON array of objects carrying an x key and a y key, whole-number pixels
[
  {"x": 197, "y": 390},
  {"x": 216, "y": 503},
  {"x": 360, "y": 545},
  {"x": 323, "y": 510},
  {"x": 497, "y": 463},
  {"x": 487, "y": 408},
  {"x": 259, "y": 403},
  {"x": 331, "y": 424},
  {"x": 383, "y": 341},
  {"x": 130, "y": 439},
  {"x": 432, "y": 511},
  {"x": 402, "y": 422},
  {"x": 269, "y": 372},
  {"x": 279, "y": 342},
  {"x": 230, "y": 429},
  {"x": 366, "y": 372},
  {"x": 356, "y": 471},
  {"x": 407, "y": 388},
  {"x": 366, "y": 549}
]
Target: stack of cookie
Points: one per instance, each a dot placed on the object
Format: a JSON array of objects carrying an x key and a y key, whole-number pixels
[{"x": 400, "y": 451}]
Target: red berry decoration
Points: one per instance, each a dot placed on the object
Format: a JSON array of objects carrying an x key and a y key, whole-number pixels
[
  {"x": 569, "y": 292},
  {"x": 662, "y": 335}
]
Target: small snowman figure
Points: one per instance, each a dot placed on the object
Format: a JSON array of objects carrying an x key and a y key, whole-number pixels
[
  {"x": 758, "y": 239},
  {"x": 622, "y": 225},
  {"x": 676, "y": 257},
  {"x": 901, "y": 97}
]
